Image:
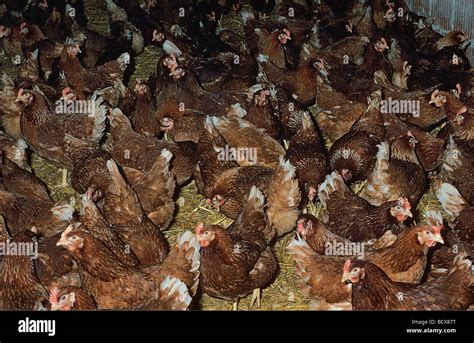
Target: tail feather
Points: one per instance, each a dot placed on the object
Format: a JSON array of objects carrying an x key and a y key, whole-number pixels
[
  {"x": 183, "y": 261},
  {"x": 458, "y": 282},
  {"x": 98, "y": 115},
  {"x": 450, "y": 198},
  {"x": 171, "y": 48},
  {"x": 115, "y": 12},
  {"x": 434, "y": 218},
  {"x": 254, "y": 213},
  {"x": 380, "y": 78},
  {"x": 63, "y": 212},
  {"x": 383, "y": 152},
  {"x": 118, "y": 120},
  {"x": 157, "y": 187},
  {"x": 303, "y": 255},
  {"x": 124, "y": 61},
  {"x": 306, "y": 122},
  {"x": 283, "y": 198},
  {"x": 332, "y": 184},
  {"x": 174, "y": 295}
]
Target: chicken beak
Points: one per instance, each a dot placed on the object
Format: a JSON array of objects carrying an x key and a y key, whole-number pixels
[
  {"x": 62, "y": 241},
  {"x": 408, "y": 213},
  {"x": 55, "y": 307},
  {"x": 346, "y": 277},
  {"x": 438, "y": 238}
]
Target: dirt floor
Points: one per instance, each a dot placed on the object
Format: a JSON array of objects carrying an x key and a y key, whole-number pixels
[{"x": 191, "y": 209}]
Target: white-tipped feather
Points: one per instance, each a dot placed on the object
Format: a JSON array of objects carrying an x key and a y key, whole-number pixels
[
  {"x": 452, "y": 156},
  {"x": 237, "y": 110},
  {"x": 166, "y": 154},
  {"x": 21, "y": 144},
  {"x": 172, "y": 287},
  {"x": 34, "y": 54},
  {"x": 284, "y": 185},
  {"x": 99, "y": 113},
  {"x": 189, "y": 238},
  {"x": 261, "y": 58},
  {"x": 306, "y": 121},
  {"x": 246, "y": 14},
  {"x": 435, "y": 216},
  {"x": 63, "y": 212},
  {"x": 216, "y": 121},
  {"x": 383, "y": 152},
  {"x": 116, "y": 12},
  {"x": 328, "y": 186},
  {"x": 450, "y": 199},
  {"x": 7, "y": 81},
  {"x": 171, "y": 48},
  {"x": 86, "y": 202},
  {"x": 253, "y": 89},
  {"x": 208, "y": 124},
  {"x": 256, "y": 193},
  {"x": 111, "y": 166},
  {"x": 288, "y": 167},
  {"x": 297, "y": 242},
  {"x": 124, "y": 60}
]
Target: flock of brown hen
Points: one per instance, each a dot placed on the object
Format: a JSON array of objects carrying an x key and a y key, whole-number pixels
[{"x": 330, "y": 103}]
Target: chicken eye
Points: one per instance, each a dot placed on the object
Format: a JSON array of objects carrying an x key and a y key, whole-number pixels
[
  {"x": 356, "y": 270},
  {"x": 63, "y": 298},
  {"x": 427, "y": 232},
  {"x": 73, "y": 238}
]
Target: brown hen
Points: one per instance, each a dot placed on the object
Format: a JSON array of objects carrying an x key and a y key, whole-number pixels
[
  {"x": 20, "y": 288},
  {"x": 353, "y": 155},
  {"x": 238, "y": 260},
  {"x": 119, "y": 286},
  {"x": 372, "y": 289},
  {"x": 307, "y": 154},
  {"x": 361, "y": 220}
]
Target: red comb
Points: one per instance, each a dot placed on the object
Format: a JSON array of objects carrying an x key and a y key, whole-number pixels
[
  {"x": 199, "y": 228},
  {"x": 66, "y": 91},
  {"x": 405, "y": 203},
  {"x": 347, "y": 266},
  {"x": 53, "y": 295},
  {"x": 300, "y": 226},
  {"x": 461, "y": 110}
]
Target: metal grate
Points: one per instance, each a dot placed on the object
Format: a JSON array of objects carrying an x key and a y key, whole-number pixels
[{"x": 448, "y": 15}]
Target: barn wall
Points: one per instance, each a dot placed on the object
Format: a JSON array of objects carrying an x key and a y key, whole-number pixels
[{"x": 448, "y": 15}]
